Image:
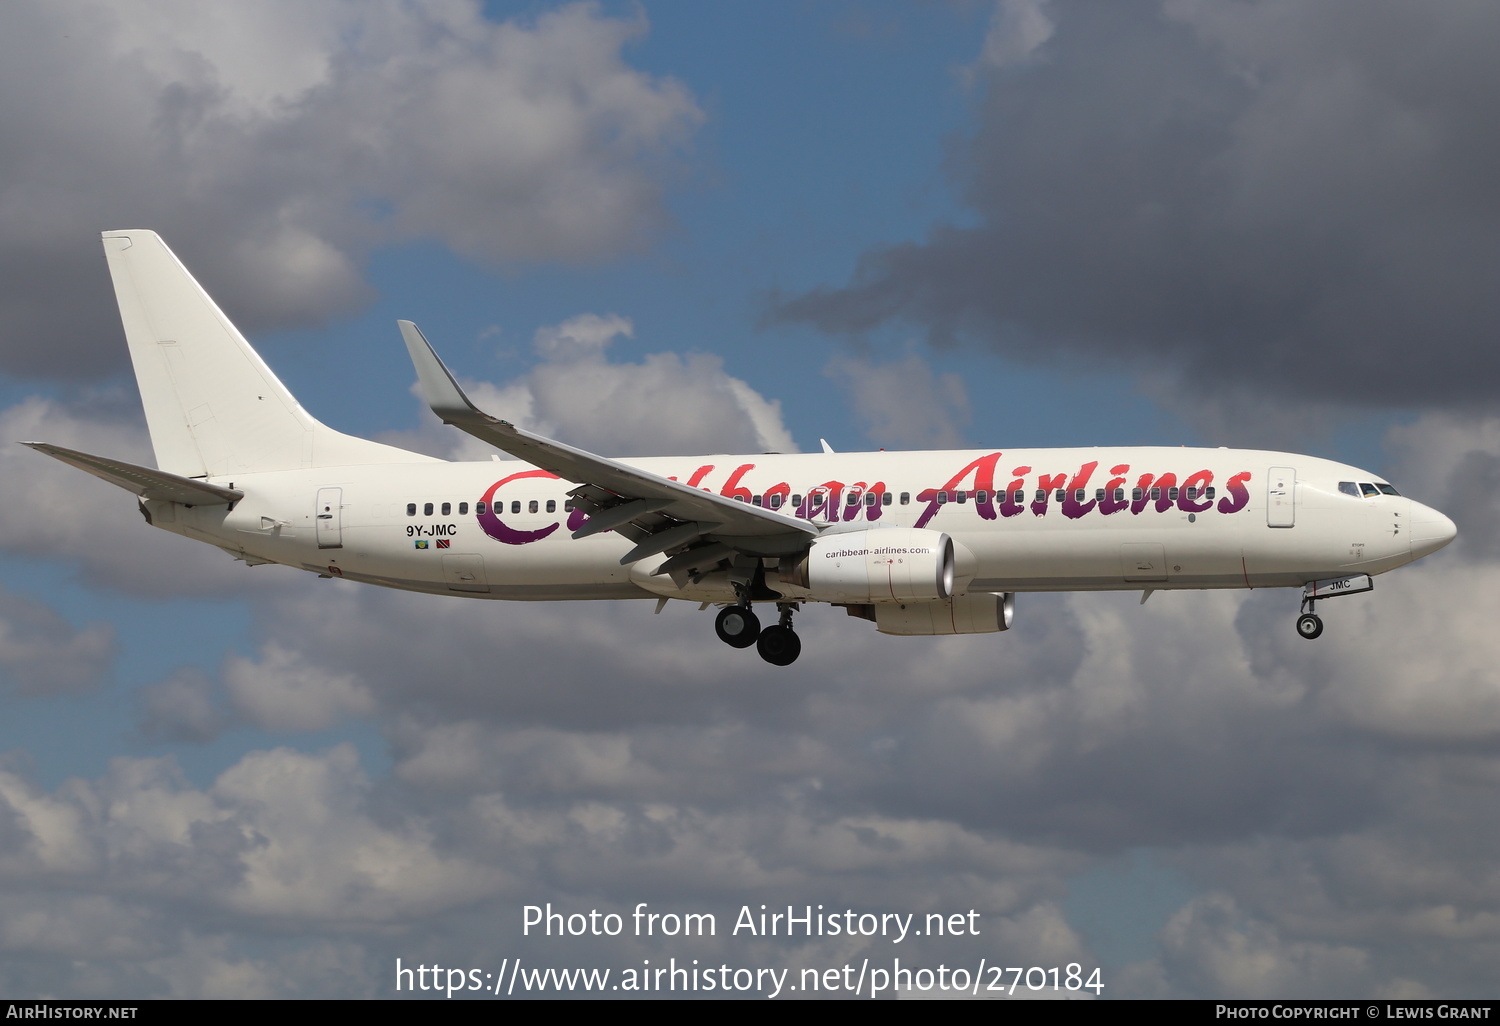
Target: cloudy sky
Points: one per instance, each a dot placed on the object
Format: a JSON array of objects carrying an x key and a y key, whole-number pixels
[{"x": 676, "y": 227}]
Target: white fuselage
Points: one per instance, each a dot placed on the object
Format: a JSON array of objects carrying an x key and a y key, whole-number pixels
[{"x": 1032, "y": 520}]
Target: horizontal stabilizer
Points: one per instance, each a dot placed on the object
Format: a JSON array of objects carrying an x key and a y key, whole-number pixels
[{"x": 143, "y": 481}]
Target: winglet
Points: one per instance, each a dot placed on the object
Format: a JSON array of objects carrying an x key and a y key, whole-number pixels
[
  {"x": 438, "y": 386},
  {"x": 826, "y": 447},
  {"x": 704, "y": 510}
]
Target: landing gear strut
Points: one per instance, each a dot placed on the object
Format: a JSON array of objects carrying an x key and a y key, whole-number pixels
[{"x": 779, "y": 644}]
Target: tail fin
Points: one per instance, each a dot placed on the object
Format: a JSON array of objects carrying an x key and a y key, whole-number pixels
[{"x": 212, "y": 405}]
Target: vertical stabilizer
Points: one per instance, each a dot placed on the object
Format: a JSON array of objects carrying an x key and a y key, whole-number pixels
[{"x": 212, "y": 405}]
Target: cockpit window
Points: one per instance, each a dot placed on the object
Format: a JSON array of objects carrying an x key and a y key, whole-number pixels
[
  {"x": 1349, "y": 488},
  {"x": 1386, "y": 489},
  {"x": 1369, "y": 489}
]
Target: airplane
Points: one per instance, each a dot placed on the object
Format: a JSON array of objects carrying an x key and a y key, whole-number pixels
[{"x": 919, "y": 543}]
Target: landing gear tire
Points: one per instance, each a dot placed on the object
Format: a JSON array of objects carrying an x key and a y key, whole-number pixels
[
  {"x": 779, "y": 645},
  {"x": 1309, "y": 625},
  {"x": 737, "y": 626}
]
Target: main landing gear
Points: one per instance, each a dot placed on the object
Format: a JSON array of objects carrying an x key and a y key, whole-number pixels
[{"x": 739, "y": 627}]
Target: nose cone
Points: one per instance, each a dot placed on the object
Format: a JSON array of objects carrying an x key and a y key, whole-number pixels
[{"x": 1430, "y": 530}]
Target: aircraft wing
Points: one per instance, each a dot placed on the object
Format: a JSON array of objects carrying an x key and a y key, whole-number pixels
[
  {"x": 661, "y": 515},
  {"x": 143, "y": 481}
]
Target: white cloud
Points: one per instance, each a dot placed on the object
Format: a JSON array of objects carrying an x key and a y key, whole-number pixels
[
  {"x": 1018, "y": 28},
  {"x": 283, "y": 692},
  {"x": 182, "y": 708},
  {"x": 274, "y": 146},
  {"x": 581, "y": 337},
  {"x": 666, "y": 404},
  {"x": 279, "y": 836},
  {"x": 1212, "y": 949},
  {"x": 40, "y": 653},
  {"x": 903, "y": 403}
]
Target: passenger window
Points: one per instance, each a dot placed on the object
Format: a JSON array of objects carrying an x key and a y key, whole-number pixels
[
  {"x": 515, "y": 506},
  {"x": 906, "y": 498},
  {"x": 1119, "y": 495},
  {"x": 1192, "y": 493},
  {"x": 796, "y": 500},
  {"x": 531, "y": 507},
  {"x": 1370, "y": 490},
  {"x": 551, "y": 505},
  {"x": 942, "y": 498},
  {"x": 411, "y": 509},
  {"x": 1208, "y": 493},
  {"x": 447, "y": 509},
  {"x": 1137, "y": 494},
  {"x": 982, "y": 496},
  {"x": 774, "y": 501},
  {"x": 885, "y": 498},
  {"x": 755, "y": 500},
  {"x": 1041, "y": 496},
  {"x": 739, "y": 498},
  {"x": 1155, "y": 494},
  {"x": 479, "y": 508},
  {"x": 1062, "y": 493},
  {"x": 1019, "y": 496},
  {"x": 1078, "y": 494},
  {"x": 961, "y": 496},
  {"x": 427, "y": 509},
  {"x": 1172, "y": 494},
  {"x": 871, "y": 498},
  {"x": 851, "y": 500},
  {"x": 463, "y": 507}
]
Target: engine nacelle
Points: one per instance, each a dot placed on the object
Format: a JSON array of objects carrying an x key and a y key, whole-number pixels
[
  {"x": 891, "y": 564},
  {"x": 965, "y": 614}
]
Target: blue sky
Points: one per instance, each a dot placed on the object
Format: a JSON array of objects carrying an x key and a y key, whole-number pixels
[
  {"x": 1018, "y": 223},
  {"x": 826, "y": 134}
]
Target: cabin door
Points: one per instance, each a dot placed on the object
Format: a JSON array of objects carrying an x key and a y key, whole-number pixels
[
  {"x": 329, "y": 518},
  {"x": 1281, "y": 497}
]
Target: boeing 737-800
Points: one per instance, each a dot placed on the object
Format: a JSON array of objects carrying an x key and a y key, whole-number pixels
[{"x": 917, "y": 542}]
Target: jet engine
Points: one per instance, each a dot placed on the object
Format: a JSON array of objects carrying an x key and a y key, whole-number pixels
[{"x": 892, "y": 564}]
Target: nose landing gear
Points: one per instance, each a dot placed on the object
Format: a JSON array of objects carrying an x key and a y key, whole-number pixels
[{"x": 1309, "y": 625}]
